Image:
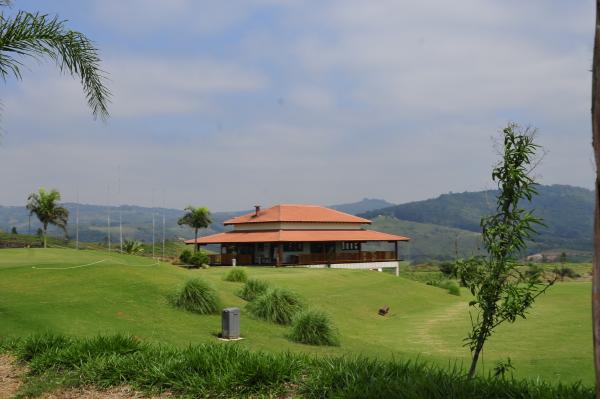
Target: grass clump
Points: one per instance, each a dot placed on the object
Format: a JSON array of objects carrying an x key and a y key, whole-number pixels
[
  {"x": 236, "y": 275},
  {"x": 450, "y": 285},
  {"x": 314, "y": 327},
  {"x": 277, "y": 305},
  {"x": 253, "y": 289},
  {"x": 199, "y": 297},
  {"x": 224, "y": 371}
]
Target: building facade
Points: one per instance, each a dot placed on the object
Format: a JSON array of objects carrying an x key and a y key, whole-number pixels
[{"x": 301, "y": 235}]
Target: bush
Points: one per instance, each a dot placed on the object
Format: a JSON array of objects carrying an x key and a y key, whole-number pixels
[
  {"x": 449, "y": 285},
  {"x": 253, "y": 289},
  {"x": 185, "y": 256},
  {"x": 448, "y": 268},
  {"x": 453, "y": 288},
  {"x": 563, "y": 272},
  {"x": 237, "y": 275},
  {"x": 277, "y": 305},
  {"x": 199, "y": 258},
  {"x": 133, "y": 247},
  {"x": 199, "y": 297},
  {"x": 314, "y": 327},
  {"x": 534, "y": 271}
]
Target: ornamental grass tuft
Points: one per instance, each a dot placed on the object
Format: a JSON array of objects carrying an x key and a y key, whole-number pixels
[
  {"x": 277, "y": 305},
  {"x": 199, "y": 297},
  {"x": 314, "y": 327},
  {"x": 253, "y": 289},
  {"x": 237, "y": 275}
]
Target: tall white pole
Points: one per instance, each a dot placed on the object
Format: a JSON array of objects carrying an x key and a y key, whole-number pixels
[
  {"x": 108, "y": 214},
  {"x": 77, "y": 219},
  {"x": 153, "y": 224},
  {"x": 163, "y": 226},
  {"x": 120, "y": 210}
]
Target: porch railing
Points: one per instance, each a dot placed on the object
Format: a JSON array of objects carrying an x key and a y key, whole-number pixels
[
  {"x": 305, "y": 259},
  {"x": 367, "y": 256}
]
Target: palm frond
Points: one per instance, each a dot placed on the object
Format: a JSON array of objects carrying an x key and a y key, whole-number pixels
[{"x": 38, "y": 36}]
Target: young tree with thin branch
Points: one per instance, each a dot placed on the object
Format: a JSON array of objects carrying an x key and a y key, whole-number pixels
[
  {"x": 38, "y": 36},
  {"x": 45, "y": 206},
  {"x": 196, "y": 218},
  {"x": 501, "y": 291}
]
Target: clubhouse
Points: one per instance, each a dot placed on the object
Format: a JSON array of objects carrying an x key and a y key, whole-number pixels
[{"x": 303, "y": 235}]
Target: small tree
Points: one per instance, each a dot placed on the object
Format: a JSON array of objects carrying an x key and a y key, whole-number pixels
[
  {"x": 501, "y": 291},
  {"x": 45, "y": 206},
  {"x": 196, "y": 218},
  {"x": 14, "y": 230}
]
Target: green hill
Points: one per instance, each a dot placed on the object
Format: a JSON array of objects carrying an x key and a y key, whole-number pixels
[
  {"x": 430, "y": 241},
  {"x": 567, "y": 212},
  {"x": 85, "y": 293}
]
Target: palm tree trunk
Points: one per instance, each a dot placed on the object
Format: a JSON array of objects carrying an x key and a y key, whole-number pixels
[
  {"x": 196, "y": 237},
  {"x": 596, "y": 145},
  {"x": 45, "y": 234}
]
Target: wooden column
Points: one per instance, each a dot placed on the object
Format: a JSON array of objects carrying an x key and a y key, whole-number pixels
[
  {"x": 396, "y": 250},
  {"x": 279, "y": 254},
  {"x": 360, "y": 258}
]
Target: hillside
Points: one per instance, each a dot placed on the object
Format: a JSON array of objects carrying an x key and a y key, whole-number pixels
[
  {"x": 364, "y": 205},
  {"x": 137, "y": 220},
  {"x": 430, "y": 241},
  {"x": 567, "y": 212},
  {"x": 110, "y": 293}
]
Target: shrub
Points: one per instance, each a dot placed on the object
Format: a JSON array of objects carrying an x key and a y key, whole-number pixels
[
  {"x": 133, "y": 247},
  {"x": 563, "y": 272},
  {"x": 453, "y": 288},
  {"x": 199, "y": 297},
  {"x": 199, "y": 258},
  {"x": 253, "y": 289},
  {"x": 237, "y": 275},
  {"x": 448, "y": 268},
  {"x": 314, "y": 327},
  {"x": 277, "y": 305},
  {"x": 185, "y": 256},
  {"x": 446, "y": 284},
  {"x": 534, "y": 271}
]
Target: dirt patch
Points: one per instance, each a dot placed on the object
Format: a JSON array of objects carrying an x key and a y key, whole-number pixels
[
  {"x": 91, "y": 393},
  {"x": 11, "y": 375}
]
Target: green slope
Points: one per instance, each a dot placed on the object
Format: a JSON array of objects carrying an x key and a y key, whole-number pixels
[
  {"x": 84, "y": 293},
  {"x": 567, "y": 212},
  {"x": 430, "y": 241}
]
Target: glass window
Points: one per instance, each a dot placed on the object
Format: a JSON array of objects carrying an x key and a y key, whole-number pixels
[
  {"x": 350, "y": 246},
  {"x": 293, "y": 246}
]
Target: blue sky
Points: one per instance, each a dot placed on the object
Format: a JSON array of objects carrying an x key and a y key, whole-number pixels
[{"x": 232, "y": 103}]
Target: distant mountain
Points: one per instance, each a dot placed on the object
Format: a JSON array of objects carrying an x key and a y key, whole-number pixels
[
  {"x": 364, "y": 205},
  {"x": 567, "y": 212},
  {"x": 430, "y": 241},
  {"x": 137, "y": 220}
]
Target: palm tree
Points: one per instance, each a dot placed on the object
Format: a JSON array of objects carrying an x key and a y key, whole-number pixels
[
  {"x": 44, "y": 205},
  {"x": 39, "y": 36},
  {"x": 196, "y": 218}
]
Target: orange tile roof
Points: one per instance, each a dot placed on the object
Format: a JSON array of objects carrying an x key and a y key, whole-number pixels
[
  {"x": 231, "y": 237},
  {"x": 297, "y": 213}
]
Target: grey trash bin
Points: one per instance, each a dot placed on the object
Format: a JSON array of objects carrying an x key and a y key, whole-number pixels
[{"x": 230, "y": 323}]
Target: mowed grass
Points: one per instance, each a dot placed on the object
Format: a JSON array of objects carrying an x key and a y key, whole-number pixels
[{"x": 127, "y": 294}]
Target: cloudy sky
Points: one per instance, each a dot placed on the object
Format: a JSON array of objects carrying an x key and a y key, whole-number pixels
[{"x": 232, "y": 103}]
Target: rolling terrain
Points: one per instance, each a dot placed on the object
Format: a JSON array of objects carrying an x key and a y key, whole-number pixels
[{"x": 85, "y": 293}]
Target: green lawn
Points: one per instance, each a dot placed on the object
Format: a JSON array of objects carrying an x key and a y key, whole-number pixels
[{"x": 128, "y": 294}]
